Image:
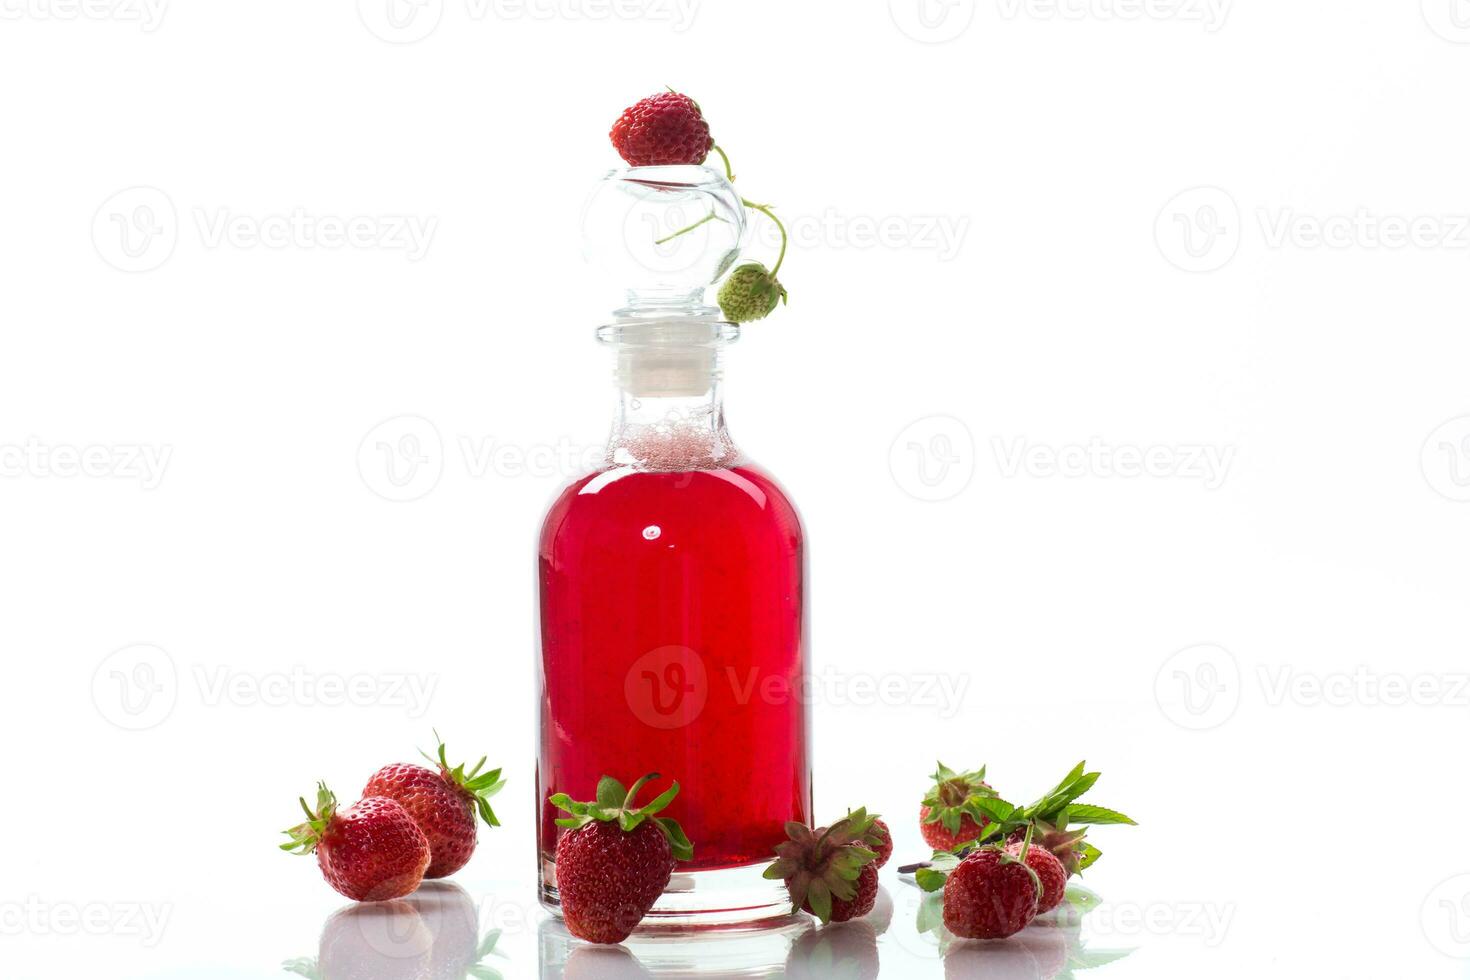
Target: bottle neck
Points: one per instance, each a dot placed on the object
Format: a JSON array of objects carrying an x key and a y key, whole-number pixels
[{"x": 670, "y": 412}]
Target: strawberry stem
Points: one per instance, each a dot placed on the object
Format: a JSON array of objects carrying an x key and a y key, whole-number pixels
[
  {"x": 729, "y": 174},
  {"x": 688, "y": 228},
  {"x": 765, "y": 209}
]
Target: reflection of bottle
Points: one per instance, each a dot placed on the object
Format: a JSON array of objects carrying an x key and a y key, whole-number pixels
[
  {"x": 751, "y": 953},
  {"x": 673, "y": 601}
]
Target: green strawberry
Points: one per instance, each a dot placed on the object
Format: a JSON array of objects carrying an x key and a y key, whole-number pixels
[{"x": 750, "y": 293}]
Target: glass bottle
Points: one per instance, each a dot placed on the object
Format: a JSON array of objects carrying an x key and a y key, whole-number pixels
[{"x": 672, "y": 593}]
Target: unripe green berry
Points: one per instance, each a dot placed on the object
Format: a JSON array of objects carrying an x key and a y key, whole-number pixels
[{"x": 750, "y": 293}]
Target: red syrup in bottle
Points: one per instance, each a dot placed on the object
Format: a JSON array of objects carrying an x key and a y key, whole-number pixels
[{"x": 672, "y": 641}]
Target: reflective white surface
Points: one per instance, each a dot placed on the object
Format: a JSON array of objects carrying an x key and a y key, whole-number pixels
[{"x": 449, "y": 931}]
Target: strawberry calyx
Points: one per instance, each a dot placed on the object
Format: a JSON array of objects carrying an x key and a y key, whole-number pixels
[
  {"x": 865, "y": 827},
  {"x": 306, "y": 836},
  {"x": 956, "y": 795},
  {"x": 478, "y": 787},
  {"x": 614, "y": 804},
  {"x": 822, "y": 864}
]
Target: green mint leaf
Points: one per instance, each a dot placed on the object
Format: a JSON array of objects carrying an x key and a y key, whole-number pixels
[
  {"x": 1087, "y": 813},
  {"x": 929, "y": 879}
]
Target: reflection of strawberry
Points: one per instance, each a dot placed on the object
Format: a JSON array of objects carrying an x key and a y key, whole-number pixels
[
  {"x": 1013, "y": 961},
  {"x": 840, "y": 951},
  {"x": 991, "y": 895},
  {"x": 369, "y": 852},
  {"x": 379, "y": 941},
  {"x": 443, "y": 803},
  {"x": 432, "y": 934},
  {"x": 604, "y": 963},
  {"x": 662, "y": 130},
  {"x": 452, "y": 918},
  {"x": 952, "y": 813},
  {"x": 829, "y": 872},
  {"x": 613, "y": 860}
]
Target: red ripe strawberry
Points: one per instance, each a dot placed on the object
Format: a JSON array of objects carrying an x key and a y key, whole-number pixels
[
  {"x": 829, "y": 872},
  {"x": 991, "y": 895},
  {"x": 613, "y": 860},
  {"x": 369, "y": 852},
  {"x": 443, "y": 803},
  {"x": 951, "y": 814},
  {"x": 663, "y": 129},
  {"x": 1049, "y": 872}
]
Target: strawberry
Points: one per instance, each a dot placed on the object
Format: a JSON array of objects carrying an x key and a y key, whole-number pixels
[
  {"x": 830, "y": 871},
  {"x": 614, "y": 860},
  {"x": 369, "y": 852},
  {"x": 662, "y": 130},
  {"x": 953, "y": 811},
  {"x": 992, "y": 894},
  {"x": 443, "y": 803},
  {"x": 669, "y": 129},
  {"x": 1049, "y": 872}
]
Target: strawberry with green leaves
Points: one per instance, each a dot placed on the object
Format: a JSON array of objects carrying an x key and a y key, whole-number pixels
[
  {"x": 830, "y": 872},
  {"x": 669, "y": 129},
  {"x": 992, "y": 893},
  {"x": 1055, "y": 826},
  {"x": 371, "y": 851},
  {"x": 444, "y": 803},
  {"x": 955, "y": 811},
  {"x": 614, "y": 859}
]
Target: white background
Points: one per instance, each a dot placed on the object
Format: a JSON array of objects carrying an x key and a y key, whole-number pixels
[{"x": 1025, "y": 235}]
